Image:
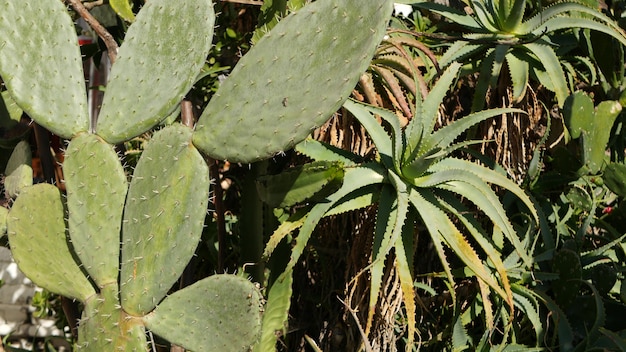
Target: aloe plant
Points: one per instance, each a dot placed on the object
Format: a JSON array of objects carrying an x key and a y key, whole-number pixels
[
  {"x": 415, "y": 177},
  {"x": 498, "y": 33},
  {"x": 118, "y": 246}
]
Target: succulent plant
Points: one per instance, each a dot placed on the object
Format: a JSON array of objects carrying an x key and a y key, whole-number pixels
[
  {"x": 118, "y": 247},
  {"x": 591, "y": 125}
]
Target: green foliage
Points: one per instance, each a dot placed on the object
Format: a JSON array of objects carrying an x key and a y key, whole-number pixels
[
  {"x": 19, "y": 172},
  {"x": 313, "y": 182},
  {"x": 415, "y": 179},
  {"x": 592, "y": 126},
  {"x": 118, "y": 247},
  {"x": 260, "y": 92},
  {"x": 49, "y": 39},
  {"x": 124, "y": 8},
  {"x": 499, "y": 35}
]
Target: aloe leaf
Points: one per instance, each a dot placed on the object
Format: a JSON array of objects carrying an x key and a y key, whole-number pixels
[
  {"x": 619, "y": 341},
  {"x": 489, "y": 176},
  {"x": 552, "y": 66},
  {"x": 564, "y": 328},
  {"x": 354, "y": 179},
  {"x": 599, "y": 321},
  {"x": 455, "y": 207},
  {"x": 418, "y": 167},
  {"x": 511, "y": 16},
  {"x": 518, "y": 71},
  {"x": 614, "y": 178},
  {"x": 317, "y": 150},
  {"x": 528, "y": 304},
  {"x": 448, "y": 134},
  {"x": 430, "y": 106},
  {"x": 276, "y": 312},
  {"x": 423, "y": 122},
  {"x": 384, "y": 144},
  {"x": 484, "y": 80},
  {"x": 458, "y": 52},
  {"x": 479, "y": 193},
  {"x": 313, "y": 181},
  {"x": 366, "y": 112},
  {"x": 454, "y": 15},
  {"x": 442, "y": 229},
  {"x": 406, "y": 284},
  {"x": 537, "y": 23},
  {"x": 560, "y": 23},
  {"x": 486, "y": 16},
  {"x": 123, "y": 8},
  {"x": 385, "y": 223},
  {"x": 293, "y": 223},
  {"x": 359, "y": 199},
  {"x": 476, "y": 190}
]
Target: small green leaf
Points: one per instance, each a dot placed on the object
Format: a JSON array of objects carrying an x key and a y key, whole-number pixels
[
  {"x": 310, "y": 182},
  {"x": 124, "y": 9},
  {"x": 615, "y": 178}
]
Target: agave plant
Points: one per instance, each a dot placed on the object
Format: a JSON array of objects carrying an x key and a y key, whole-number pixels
[
  {"x": 414, "y": 177},
  {"x": 499, "y": 34}
]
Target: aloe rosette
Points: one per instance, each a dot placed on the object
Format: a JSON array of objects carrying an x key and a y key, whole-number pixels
[
  {"x": 498, "y": 34},
  {"x": 415, "y": 179}
]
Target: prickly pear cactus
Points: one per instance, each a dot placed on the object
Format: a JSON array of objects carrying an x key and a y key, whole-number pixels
[
  {"x": 293, "y": 80},
  {"x": 566, "y": 288},
  {"x": 41, "y": 60},
  {"x": 118, "y": 247},
  {"x": 18, "y": 172},
  {"x": 591, "y": 125}
]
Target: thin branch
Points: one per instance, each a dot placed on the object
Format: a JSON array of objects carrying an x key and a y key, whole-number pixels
[
  {"x": 366, "y": 343},
  {"x": 110, "y": 43},
  {"x": 186, "y": 113},
  {"x": 91, "y": 5}
]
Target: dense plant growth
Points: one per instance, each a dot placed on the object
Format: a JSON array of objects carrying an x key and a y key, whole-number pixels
[{"x": 348, "y": 174}]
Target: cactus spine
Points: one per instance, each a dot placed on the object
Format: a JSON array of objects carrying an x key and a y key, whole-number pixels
[{"x": 119, "y": 246}]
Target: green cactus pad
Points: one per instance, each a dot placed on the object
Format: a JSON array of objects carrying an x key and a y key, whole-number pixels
[
  {"x": 105, "y": 327},
  {"x": 19, "y": 170},
  {"x": 596, "y": 138},
  {"x": 614, "y": 178},
  {"x": 578, "y": 113},
  {"x": 96, "y": 191},
  {"x": 293, "y": 80},
  {"x": 220, "y": 313},
  {"x": 566, "y": 288},
  {"x": 37, "y": 236},
  {"x": 41, "y": 64},
  {"x": 163, "y": 52},
  {"x": 163, "y": 219}
]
